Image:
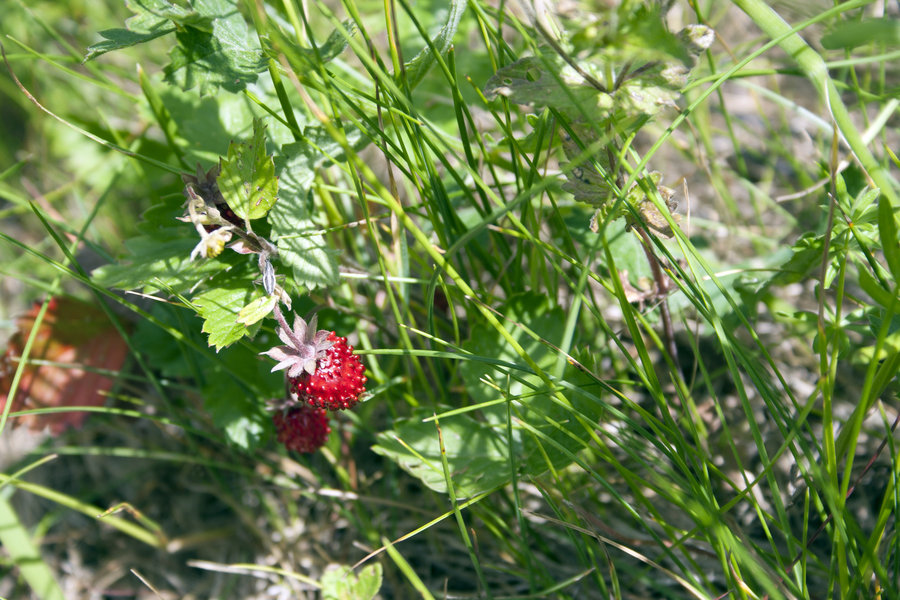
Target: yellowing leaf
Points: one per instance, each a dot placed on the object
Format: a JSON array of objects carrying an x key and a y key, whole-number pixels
[{"x": 257, "y": 310}]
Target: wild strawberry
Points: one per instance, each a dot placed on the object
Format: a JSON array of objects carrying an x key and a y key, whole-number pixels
[
  {"x": 322, "y": 369},
  {"x": 338, "y": 380},
  {"x": 302, "y": 428}
]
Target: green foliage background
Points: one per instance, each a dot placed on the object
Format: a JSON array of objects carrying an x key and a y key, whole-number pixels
[{"x": 575, "y": 390}]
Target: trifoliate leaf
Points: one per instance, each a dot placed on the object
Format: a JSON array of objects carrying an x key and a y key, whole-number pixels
[{"x": 247, "y": 178}]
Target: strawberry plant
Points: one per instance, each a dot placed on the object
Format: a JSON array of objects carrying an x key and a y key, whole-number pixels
[{"x": 449, "y": 298}]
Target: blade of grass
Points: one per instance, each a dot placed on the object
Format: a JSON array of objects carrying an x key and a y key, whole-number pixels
[{"x": 15, "y": 539}]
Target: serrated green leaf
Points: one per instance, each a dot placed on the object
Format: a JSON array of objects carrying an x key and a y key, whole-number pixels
[
  {"x": 529, "y": 81},
  {"x": 117, "y": 39},
  {"x": 169, "y": 356},
  {"x": 305, "y": 60},
  {"x": 533, "y": 402},
  {"x": 238, "y": 414},
  {"x": 586, "y": 181},
  {"x": 219, "y": 307},
  {"x": 311, "y": 262},
  {"x": 247, "y": 178},
  {"x": 369, "y": 581},
  {"x": 341, "y": 584},
  {"x": 319, "y": 148},
  {"x": 221, "y": 55},
  {"x": 149, "y": 15},
  {"x": 206, "y": 125},
  {"x": 644, "y": 37},
  {"x": 158, "y": 264},
  {"x": 476, "y": 453},
  {"x": 152, "y": 19},
  {"x": 238, "y": 384},
  {"x": 159, "y": 258},
  {"x": 805, "y": 258}
]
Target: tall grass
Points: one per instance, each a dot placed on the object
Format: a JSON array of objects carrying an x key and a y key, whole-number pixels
[{"x": 563, "y": 402}]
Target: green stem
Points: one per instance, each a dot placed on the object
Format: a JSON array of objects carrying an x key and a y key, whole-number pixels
[{"x": 127, "y": 527}]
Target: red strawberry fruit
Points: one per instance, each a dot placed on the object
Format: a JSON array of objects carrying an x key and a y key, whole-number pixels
[
  {"x": 321, "y": 367},
  {"x": 302, "y": 428},
  {"x": 338, "y": 380}
]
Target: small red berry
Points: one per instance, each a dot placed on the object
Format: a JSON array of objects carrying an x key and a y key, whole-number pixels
[
  {"x": 321, "y": 367},
  {"x": 301, "y": 428},
  {"x": 338, "y": 380}
]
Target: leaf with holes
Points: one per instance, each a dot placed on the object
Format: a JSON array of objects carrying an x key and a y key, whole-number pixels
[{"x": 247, "y": 177}]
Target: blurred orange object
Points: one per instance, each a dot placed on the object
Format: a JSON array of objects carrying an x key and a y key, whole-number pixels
[{"x": 75, "y": 338}]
